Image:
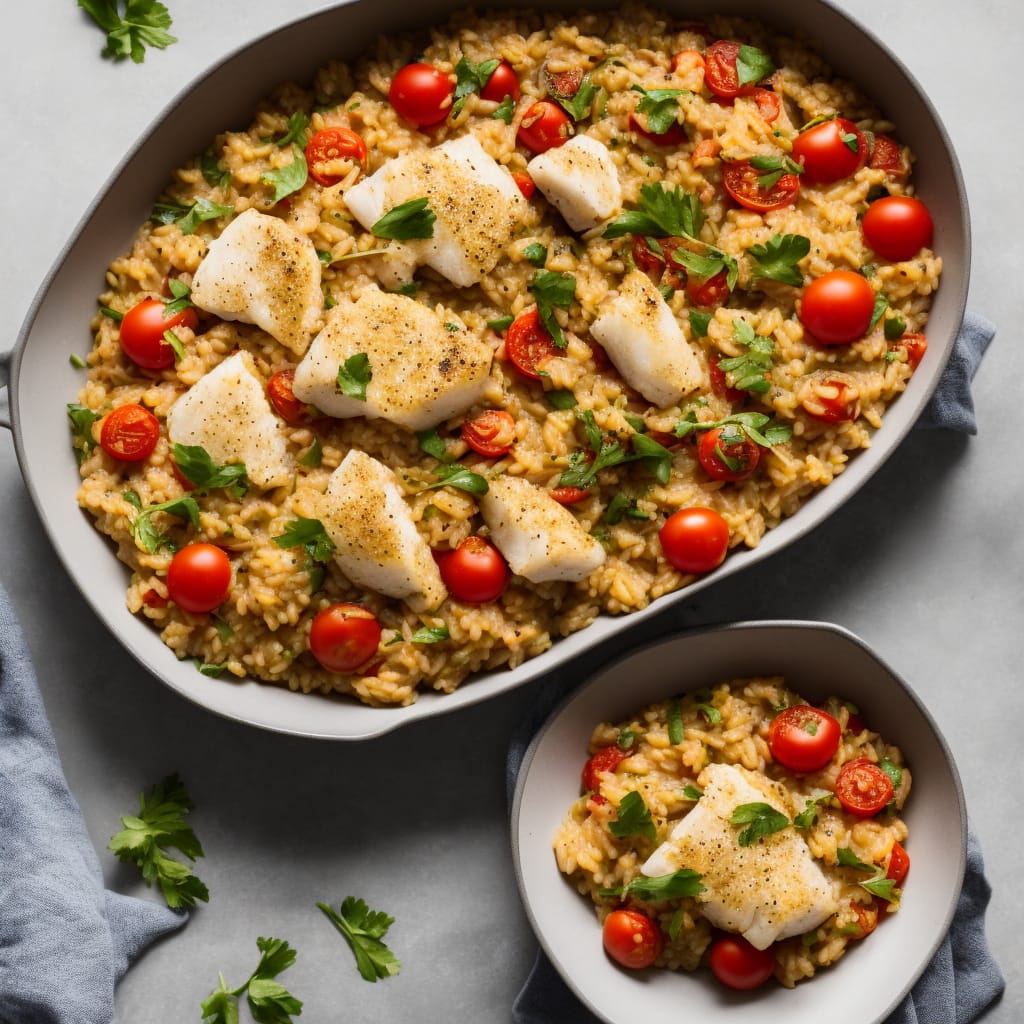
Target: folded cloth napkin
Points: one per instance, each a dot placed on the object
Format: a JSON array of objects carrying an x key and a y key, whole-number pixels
[
  {"x": 65, "y": 941},
  {"x": 963, "y": 978}
]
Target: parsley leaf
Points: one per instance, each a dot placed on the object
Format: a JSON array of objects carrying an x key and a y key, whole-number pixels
[
  {"x": 430, "y": 635},
  {"x": 553, "y": 291},
  {"x": 145, "y": 533},
  {"x": 506, "y": 110},
  {"x": 753, "y": 64},
  {"x": 196, "y": 466},
  {"x": 633, "y": 819},
  {"x": 675, "y": 722},
  {"x": 662, "y": 212},
  {"x": 685, "y": 882},
  {"x": 894, "y": 328},
  {"x": 699, "y": 323},
  {"x": 142, "y": 23},
  {"x": 160, "y": 826},
  {"x": 882, "y": 887},
  {"x": 756, "y": 425},
  {"x": 749, "y": 372},
  {"x": 296, "y": 132},
  {"x": 454, "y": 475},
  {"x": 848, "y": 859},
  {"x": 536, "y": 253},
  {"x": 777, "y": 258},
  {"x": 433, "y": 444},
  {"x": 412, "y": 219},
  {"x": 364, "y": 929},
  {"x": 660, "y": 106},
  {"x": 761, "y": 820},
  {"x": 608, "y": 451},
  {"x": 354, "y": 375},
  {"x": 774, "y": 167},
  {"x": 470, "y": 78},
  {"x": 188, "y": 218},
  {"x": 82, "y": 418},
  {"x": 269, "y": 1001},
  {"x": 705, "y": 266},
  {"x": 310, "y": 535},
  {"x": 290, "y": 178},
  {"x": 808, "y": 817}
]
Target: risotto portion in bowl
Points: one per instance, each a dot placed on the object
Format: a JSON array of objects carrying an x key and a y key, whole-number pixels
[
  {"x": 501, "y": 328},
  {"x": 741, "y": 829}
]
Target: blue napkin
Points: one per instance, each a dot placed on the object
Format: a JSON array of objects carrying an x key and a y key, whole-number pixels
[
  {"x": 65, "y": 941},
  {"x": 963, "y": 979}
]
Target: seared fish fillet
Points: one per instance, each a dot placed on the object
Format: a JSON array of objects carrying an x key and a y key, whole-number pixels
[
  {"x": 376, "y": 543},
  {"x": 539, "y": 538},
  {"x": 260, "y": 270},
  {"x": 227, "y": 413},
  {"x": 645, "y": 342},
  {"x": 424, "y": 368},
  {"x": 580, "y": 180},
  {"x": 768, "y": 891},
  {"x": 476, "y": 201}
]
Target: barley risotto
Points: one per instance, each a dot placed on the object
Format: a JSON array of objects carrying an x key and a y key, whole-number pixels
[
  {"x": 740, "y": 829},
  {"x": 509, "y": 325}
]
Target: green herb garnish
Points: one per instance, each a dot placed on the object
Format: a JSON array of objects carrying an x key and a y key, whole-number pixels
[
  {"x": 412, "y": 219},
  {"x": 131, "y": 26},
  {"x": 198, "y": 468},
  {"x": 761, "y": 820},
  {"x": 290, "y": 178},
  {"x": 553, "y": 291},
  {"x": 777, "y": 259},
  {"x": 269, "y": 1001},
  {"x": 354, "y": 375},
  {"x": 364, "y": 929},
  {"x": 633, "y": 819}
]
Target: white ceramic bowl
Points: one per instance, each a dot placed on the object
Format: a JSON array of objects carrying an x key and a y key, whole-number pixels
[
  {"x": 41, "y": 381},
  {"x": 817, "y": 660}
]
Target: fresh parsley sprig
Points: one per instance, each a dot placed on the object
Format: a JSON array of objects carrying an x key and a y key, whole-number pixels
[
  {"x": 470, "y": 78},
  {"x": 198, "y": 467},
  {"x": 660, "y": 107},
  {"x": 130, "y": 26},
  {"x": 758, "y": 426},
  {"x": 633, "y": 818},
  {"x": 661, "y": 212},
  {"x": 146, "y": 535},
  {"x": 354, "y": 376},
  {"x": 411, "y": 219},
  {"x": 82, "y": 418},
  {"x": 553, "y": 290},
  {"x": 749, "y": 371},
  {"x": 364, "y": 930},
  {"x": 777, "y": 259},
  {"x": 607, "y": 451},
  {"x": 269, "y": 1001},
  {"x": 761, "y": 820}
]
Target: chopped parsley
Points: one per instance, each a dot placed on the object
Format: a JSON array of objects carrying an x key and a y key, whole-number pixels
[
  {"x": 146, "y": 534},
  {"x": 661, "y": 212},
  {"x": 454, "y": 475},
  {"x": 749, "y": 371},
  {"x": 753, "y": 65},
  {"x": 82, "y": 418},
  {"x": 308, "y": 534},
  {"x": 290, "y": 178},
  {"x": 470, "y": 78},
  {"x": 354, "y": 375},
  {"x": 761, "y": 820},
  {"x": 633, "y": 818},
  {"x": 189, "y": 217},
  {"x": 758, "y": 426},
  {"x": 411, "y": 219}
]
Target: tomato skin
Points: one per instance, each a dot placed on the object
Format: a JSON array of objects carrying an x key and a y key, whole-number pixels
[
  {"x": 769, "y": 106},
  {"x": 526, "y": 184},
  {"x": 344, "y": 636},
  {"x": 328, "y": 145},
  {"x": 804, "y": 738},
  {"x": 837, "y": 307},
  {"x": 568, "y": 495},
  {"x": 695, "y": 540},
  {"x": 740, "y": 179},
  {"x": 712, "y": 292},
  {"x": 544, "y": 126},
  {"x": 899, "y": 864},
  {"x": 831, "y": 397},
  {"x": 631, "y": 939},
  {"x": 897, "y": 228},
  {"x": 607, "y": 759},
  {"x": 721, "y": 76},
  {"x": 863, "y": 788},
  {"x": 825, "y": 154},
  {"x": 142, "y": 332},
  {"x": 739, "y": 965},
  {"x": 199, "y": 577},
  {"x": 503, "y": 82},
  {"x": 674, "y": 136},
  {"x": 475, "y": 571},
  {"x": 129, "y": 433},
  {"x": 491, "y": 434},
  {"x": 282, "y": 397},
  {"x": 528, "y": 344},
  {"x": 915, "y": 345},
  {"x": 720, "y": 381},
  {"x": 887, "y": 155},
  {"x": 727, "y": 453},
  {"x": 421, "y": 93}
]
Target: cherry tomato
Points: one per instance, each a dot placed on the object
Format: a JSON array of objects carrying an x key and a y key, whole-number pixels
[
  {"x": 490, "y": 434},
  {"x": 867, "y": 919},
  {"x": 728, "y": 453},
  {"x": 721, "y": 76},
  {"x": 344, "y": 636},
  {"x": 475, "y": 572},
  {"x": 899, "y": 864},
  {"x": 528, "y": 344},
  {"x": 830, "y": 396},
  {"x": 686, "y": 61},
  {"x": 863, "y": 788},
  {"x": 830, "y": 150},
  {"x": 915, "y": 345},
  {"x": 739, "y": 965},
  {"x": 769, "y": 106},
  {"x": 421, "y": 93},
  {"x": 282, "y": 397},
  {"x": 720, "y": 381},
  {"x": 695, "y": 540},
  {"x": 526, "y": 184},
  {"x": 568, "y": 495},
  {"x": 330, "y": 146},
  {"x": 804, "y": 739},
  {"x": 631, "y": 938},
  {"x": 607, "y": 759},
  {"x": 657, "y": 262},
  {"x": 897, "y": 227},
  {"x": 503, "y": 82},
  {"x": 837, "y": 307},
  {"x": 544, "y": 126},
  {"x": 142, "y": 332},
  {"x": 129, "y": 433},
  {"x": 743, "y": 182},
  {"x": 887, "y": 155},
  {"x": 199, "y": 577},
  {"x": 153, "y": 599},
  {"x": 712, "y": 292}
]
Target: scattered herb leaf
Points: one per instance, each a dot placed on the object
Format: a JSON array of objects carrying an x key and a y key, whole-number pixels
[
  {"x": 364, "y": 930},
  {"x": 411, "y": 219},
  {"x": 761, "y": 820},
  {"x": 354, "y": 375}
]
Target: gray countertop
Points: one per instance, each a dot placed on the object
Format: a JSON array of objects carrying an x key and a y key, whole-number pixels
[{"x": 416, "y": 822}]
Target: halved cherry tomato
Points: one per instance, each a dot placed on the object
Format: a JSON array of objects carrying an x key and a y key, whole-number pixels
[
  {"x": 887, "y": 155},
  {"x": 830, "y": 396},
  {"x": 739, "y": 965},
  {"x": 344, "y": 636},
  {"x": 867, "y": 919},
  {"x": 153, "y": 599},
  {"x": 769, "y": 106},
  {"x": 490, "y": 434},
  {"x": 544, "y": 126},
  {"x": 631, "y": 938},
  {"x": 674, "y": 136},
  {"x": 129, "y": 433},
  {"x": 721, "y": 76},
  {"x": 837, "y": 307},
  {"x": 863, "y": 788},
  {"x": 830, "y": 150},
  {"x": 743, "y": 182},
  {"x": 568, "y": 495},
  {"x": 720, "y": 381},
  {"x": 915, "y": 345},
  {"x": 695, "y": 540},
  {"x": 421, "y": 93},
  {"x": 475, "y": 571},
  {"x": 654, "y": 257},
  {"x": 686, "y": 62},
  {"x": 803, "y": 738},
  {"x": 282, "y": 397},
  {"x": 898, "y": 227},
  {"x": 899, "y": 864},
  {"x": 503, "y": 82},
  {"x": 607, "y": 759},
  {"x": 199, "y": 577},
  {"x": 728, "y": 453},
  {"x": 142, "y": 332},
  {"x": 712, "y": 292},
  {"x": 528, "y": 344},
  {"x": 329, "y": 146},
  {"x": 526, "y": 184}
]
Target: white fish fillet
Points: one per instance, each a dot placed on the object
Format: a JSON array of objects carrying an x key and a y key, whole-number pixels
[
  {"x": 645, "y": 342},
  {"x": 424, "y": 368},
  {"x": 260, "y": 270},
  {"x": 227, "y": 413},
  {"x": 580, "y": 180},
  {"x": 766, "y": 892},
  {"x": 376, "y": 541},
  {"x": 476, "y": 201},
  {"x": 539, "y": 538}
]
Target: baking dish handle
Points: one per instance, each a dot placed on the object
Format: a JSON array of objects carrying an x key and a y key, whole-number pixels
[{"x": 5, "y": 397}]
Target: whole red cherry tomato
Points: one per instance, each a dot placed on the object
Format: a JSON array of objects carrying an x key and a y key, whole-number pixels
[
  {"x": 199, "y": 577},
  {"x": 863, "y": 788},
  {"x": 837, "y": 307},
  {"x": 631, "y": 938},
  {"x": 830, "y": 150},
  {"x": 803, "y": 738},
  {"x": 695, "y": 540},
  {"x": 728, "y": 453},
  {"x": 897, "y": 228},
  {"x": 475, "y": 571},
  {"x": 329, "y": 146},
  {"x": 503, "y": 82},
  {"x": 129, "y": 433},
  {"x": 544, "y": 126},
  {"x": 344, "y": 636},
  {"x": 421, "y": 93},
  {"x": 739, "y": 965},
  {"x": 143, "y": 328}
]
